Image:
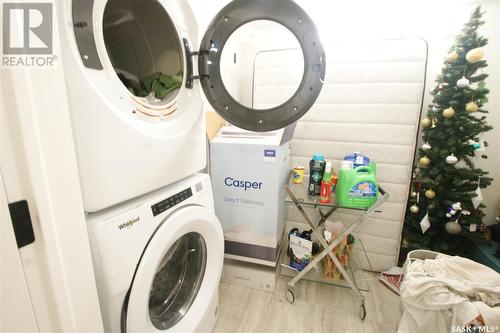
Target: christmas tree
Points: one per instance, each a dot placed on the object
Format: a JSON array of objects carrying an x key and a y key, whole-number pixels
[{"x": 445, "y": 199}]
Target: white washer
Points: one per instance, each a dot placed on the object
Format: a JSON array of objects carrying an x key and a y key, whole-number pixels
[
  {"x": 127, "y": 145},
  {"x": 158, "y": 260}
]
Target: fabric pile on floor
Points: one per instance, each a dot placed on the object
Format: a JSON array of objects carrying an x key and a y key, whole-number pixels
[{"x": 447, "y": 294}]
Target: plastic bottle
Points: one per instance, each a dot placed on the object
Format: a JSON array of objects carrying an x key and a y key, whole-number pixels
[
  {"x": 316, "y": 169},
  {"x": 334, "y": 179},
  {"x": 298, "y": 174},
  {"x": 326, "y": 185},
  {"x": 357, "y": 159},
  {"x": 357, "y": 188}
]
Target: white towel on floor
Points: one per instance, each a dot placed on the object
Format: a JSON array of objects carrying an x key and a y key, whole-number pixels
[{"x": 448, "y": 291}]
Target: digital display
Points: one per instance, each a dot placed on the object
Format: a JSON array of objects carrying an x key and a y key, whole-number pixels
[{"x": 170, "y": 202}]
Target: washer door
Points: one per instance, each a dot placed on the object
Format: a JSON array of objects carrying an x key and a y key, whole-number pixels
[
  {"x": 177, "y": 275},
  {"x": 236, "y": 14}
]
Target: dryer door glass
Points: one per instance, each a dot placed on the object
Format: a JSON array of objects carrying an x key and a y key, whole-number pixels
[
  {"x": 144, "y": 49},
  {"x": 261, "y": 63},
  {"x": 177, "y": 280}
]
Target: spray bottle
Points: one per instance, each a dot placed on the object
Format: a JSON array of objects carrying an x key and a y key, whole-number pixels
[{"x": 326, "y": 185}]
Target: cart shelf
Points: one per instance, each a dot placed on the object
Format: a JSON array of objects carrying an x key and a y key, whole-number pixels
[
  {"x": 316, "y": 273},
  {"x": 353, "y": 276}
]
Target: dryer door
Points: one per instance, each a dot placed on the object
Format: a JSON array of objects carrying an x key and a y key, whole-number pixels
[
  {"x": 258, "y": 22},
  {"x": 178, "y": 274}
]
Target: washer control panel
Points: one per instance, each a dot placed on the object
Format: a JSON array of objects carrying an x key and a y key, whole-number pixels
[{"x": 170, "y": 202}]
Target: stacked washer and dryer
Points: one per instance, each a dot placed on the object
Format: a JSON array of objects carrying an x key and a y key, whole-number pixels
[{"x": 156, "y": 244}]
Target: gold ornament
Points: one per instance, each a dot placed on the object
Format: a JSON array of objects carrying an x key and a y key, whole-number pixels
[
  {"x": 424, "y": 161},
  {"x": 414, "y": 209},
  {"x": 474, "y": 55},
  {"x": 430, "y": 194},
  {"x": 451, "y": 57},
  {"x": 449, "y": 112},
  {"x": 426, "y": 122},
  {"x": 471, "y": 107},
  {"x": 413, "y": 194}
]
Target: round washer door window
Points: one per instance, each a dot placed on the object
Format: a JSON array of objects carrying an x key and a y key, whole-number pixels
[
  {"x": 177, "y": 275},
  {"x": 177, "y": 280}
]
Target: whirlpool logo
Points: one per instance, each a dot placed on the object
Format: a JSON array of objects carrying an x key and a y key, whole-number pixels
[
  {"x": 129, "y": 223},
  {"x": 243, "y": 184}
]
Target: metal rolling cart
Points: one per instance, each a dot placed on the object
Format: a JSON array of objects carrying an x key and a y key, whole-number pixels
[{"x": 297, "y": 194}]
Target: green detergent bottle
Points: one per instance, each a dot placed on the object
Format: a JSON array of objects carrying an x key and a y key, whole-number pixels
[{"x": 357, "y": 187}]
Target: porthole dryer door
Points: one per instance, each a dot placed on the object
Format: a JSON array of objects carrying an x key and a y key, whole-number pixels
[{"x": 269, "y": 22}]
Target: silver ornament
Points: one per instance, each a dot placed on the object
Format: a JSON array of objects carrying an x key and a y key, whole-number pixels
[
  {"x": 413, "y": 194},
  {"x": 463, "y": 82},
  {"x": 414, "y": 209},
  {"x": 452, "y": 228},
  {"x": 426, "y": 146},
  {"x": 451, "y": 159}
]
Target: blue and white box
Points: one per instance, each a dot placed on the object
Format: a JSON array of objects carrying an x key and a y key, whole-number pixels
[{"x": 248, "y": 171}]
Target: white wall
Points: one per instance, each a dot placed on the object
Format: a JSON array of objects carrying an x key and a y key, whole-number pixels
[{"x": 437, "y": 22}]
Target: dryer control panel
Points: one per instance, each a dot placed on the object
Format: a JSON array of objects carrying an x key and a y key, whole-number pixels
[{"x": 170, "y": 202}]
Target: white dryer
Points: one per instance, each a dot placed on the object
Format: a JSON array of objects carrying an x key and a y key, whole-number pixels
[
  {"x": 158, "y": 260},
  {"x": 129, "y": 145}
]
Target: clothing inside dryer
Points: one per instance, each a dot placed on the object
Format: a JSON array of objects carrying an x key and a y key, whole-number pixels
[{"x": 144, "y": 48}]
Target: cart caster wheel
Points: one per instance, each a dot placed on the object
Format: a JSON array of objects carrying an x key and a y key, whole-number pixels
[
  {"x": 290, "y": 296},
  {"x": 362, "y": 312}
]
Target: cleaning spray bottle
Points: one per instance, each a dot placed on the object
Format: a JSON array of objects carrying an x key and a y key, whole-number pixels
[{"x": 325, "y": 195}]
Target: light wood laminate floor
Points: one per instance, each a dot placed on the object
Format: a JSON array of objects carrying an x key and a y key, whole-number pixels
[{"x": 317, "y": 308}]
